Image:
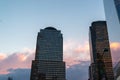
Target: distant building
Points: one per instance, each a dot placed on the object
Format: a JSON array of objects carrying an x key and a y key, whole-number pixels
[
  {"x": 117, "y": 71},
  {"x": 101, "y": 63},
  {"x": 10, "y": 78},
  {"x": 48, "y": 63}
]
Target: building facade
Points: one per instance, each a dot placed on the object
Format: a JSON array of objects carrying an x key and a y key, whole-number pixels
[
  {"x": 101, "y": 62},
  {"x": 112, "y": 10},
  {"x": 117, "y": 71},
  {"x": 112, "y": 14},
  {"x": 48, "y": 63},
  {"x": 117, "y": 6}
]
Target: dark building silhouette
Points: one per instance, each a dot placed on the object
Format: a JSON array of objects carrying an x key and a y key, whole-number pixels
[
  {"x": 48, "y": 63},
  {"x": 10, "y": 78},
  {"x": 101, "y": 62}
]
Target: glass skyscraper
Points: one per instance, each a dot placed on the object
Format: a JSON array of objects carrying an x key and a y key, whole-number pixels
[
  {"x": 101, "y": 62},
  {"x": 117, "y": 6},
  {"x": 48, "y": 63},
  {"x": 112, "y": 14}
]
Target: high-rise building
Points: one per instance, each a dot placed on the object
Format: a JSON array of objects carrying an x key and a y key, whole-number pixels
[
  {"x": 112, "y": 14},
  {"x": 112, "y": 10},
  {"x": 48, "y": 63},
  {"x": 117, "y": 6},
  {"x": 101, "y": 62}
]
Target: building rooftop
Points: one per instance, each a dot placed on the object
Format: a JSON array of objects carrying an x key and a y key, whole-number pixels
[
  {"x": 50, "y": 28},
  {"x": 98, "y": 23}
]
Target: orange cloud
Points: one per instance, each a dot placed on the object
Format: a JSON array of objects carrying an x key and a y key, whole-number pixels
[
  {"x": 2, "y": 56},
  {"x": 115, "y": 45},
  {"x": 115, "y": 51}
]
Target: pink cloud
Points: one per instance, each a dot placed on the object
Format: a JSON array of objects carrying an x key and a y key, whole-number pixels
[
  {"x": 74, "y": 52},
  {"x": 16, "y": 60},
  {"x": 2, "y": 56}
]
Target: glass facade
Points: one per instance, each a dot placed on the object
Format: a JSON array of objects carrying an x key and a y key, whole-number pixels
[
  {"x": 117, "y": 71},
  {"x": 48, "y": 63},
  {"x": 112, "y": 14},
  {"x": 117, "y": 6},
  {"x": 101, "y": 62}
]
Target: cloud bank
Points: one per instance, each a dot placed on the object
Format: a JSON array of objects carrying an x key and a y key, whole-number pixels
[
  {"x": 76, "y": 56},
  {"x": 16, "y": 60},
  {"x": 75, "y": 53}
]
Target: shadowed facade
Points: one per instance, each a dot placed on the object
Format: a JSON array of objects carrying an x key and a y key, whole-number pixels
[{"x": 101, "y": 62}]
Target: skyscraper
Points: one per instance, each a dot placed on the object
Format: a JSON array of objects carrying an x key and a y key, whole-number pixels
[
  {"x": 112, "y": 14},
  {"x": 48, "y": 63},
  {"x": 117, "y": 6},
  {"x": 112, "y": 6},
  {"x": 101, "y": 62}
]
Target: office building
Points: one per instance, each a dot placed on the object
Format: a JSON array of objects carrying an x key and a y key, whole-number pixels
[
  {"x": 101, "y": 62},
  {"x": 48, "y": 63},
  {"x": 117, "y": 6},
  {"x": 112, "y": 10},
  {"x": 112, "y": 14}
]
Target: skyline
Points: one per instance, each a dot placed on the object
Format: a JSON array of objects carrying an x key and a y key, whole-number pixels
[{"x": 20, "y": 21}]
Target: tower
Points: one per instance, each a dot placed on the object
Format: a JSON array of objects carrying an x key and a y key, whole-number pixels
[
  {"x": 112, "y": 14},
  {"x": 112, "y": 8},
  {"x": 48, "y": 63},
  {"x": 117, "y": 6},
  {"x": 101, "y": 62}
]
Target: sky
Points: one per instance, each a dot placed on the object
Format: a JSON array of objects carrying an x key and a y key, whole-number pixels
[{"x": 21, "y": 20}]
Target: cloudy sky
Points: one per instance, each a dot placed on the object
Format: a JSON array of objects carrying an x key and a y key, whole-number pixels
[{"x": 21, "y": 20}]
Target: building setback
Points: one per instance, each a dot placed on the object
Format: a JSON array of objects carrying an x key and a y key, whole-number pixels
[
  {"x": 48, "y": 63},
  {"x": 101, "y": 62}
]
